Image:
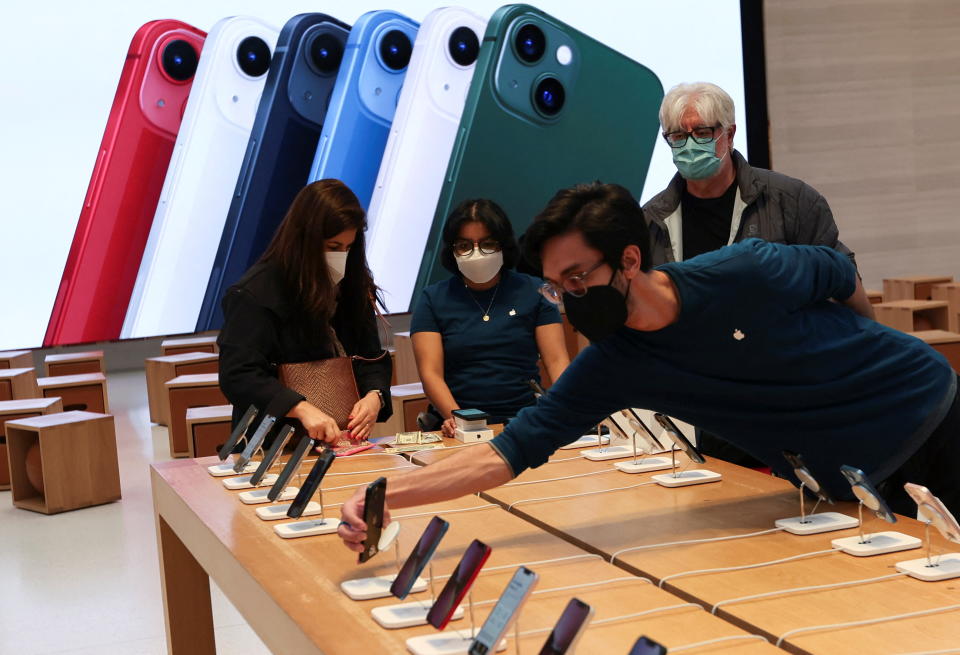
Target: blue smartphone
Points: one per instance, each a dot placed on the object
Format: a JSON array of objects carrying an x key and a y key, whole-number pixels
[
  {"x": 864, "y": 490},
  {"x": 364, "y": 100},
  {"x": 419, "y": 558},
  {"x": 282, "y": 144}
]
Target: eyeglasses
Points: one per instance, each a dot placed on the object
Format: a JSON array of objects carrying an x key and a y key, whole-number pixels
[
  {"x": 574, "y": 284},
  {"x": 463, "y": 247},
  {"x": 700, "y": 134}
]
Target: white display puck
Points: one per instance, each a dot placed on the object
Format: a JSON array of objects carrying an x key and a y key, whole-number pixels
[
  {"x": 817, "y": 523},
  {"x": 645, "y": 465},
  {"x": 877, "y": 543},
  {"x": 687, "y": 478}
]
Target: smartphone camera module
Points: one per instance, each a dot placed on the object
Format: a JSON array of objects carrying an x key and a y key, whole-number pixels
[
  {"x": 530, "y": 43},
  {"x": 179, "y": 60},
  {"x": 395, "y": 50},
  {"x": 325, "y": 54},
  {"x": 464, "y": 46},
  {"x": 253, "y": 56},
  {"x": 548, "y": 96}
]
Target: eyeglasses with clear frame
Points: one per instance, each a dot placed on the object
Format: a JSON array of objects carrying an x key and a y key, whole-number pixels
[
  {"x": 701, "y": 134},
  {"x": 574, "y": 284},
  {"x": 463, "y": 247}
]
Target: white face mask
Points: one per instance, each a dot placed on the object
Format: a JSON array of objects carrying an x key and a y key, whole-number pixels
[
  {"x": 478, "y": 267},
  {"x": 337, "y": 263}
]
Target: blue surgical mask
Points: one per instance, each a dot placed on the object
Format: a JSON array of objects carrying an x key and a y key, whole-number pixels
[{"x": 697, "y": 161}]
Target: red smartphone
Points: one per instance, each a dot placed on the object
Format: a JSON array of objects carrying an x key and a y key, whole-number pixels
[
  {"x": 458, "y": 585},
  {"x": 124, "y": 188}
]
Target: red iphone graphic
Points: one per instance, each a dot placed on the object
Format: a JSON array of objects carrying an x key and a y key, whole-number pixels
[{"x": 124, "y": 188}]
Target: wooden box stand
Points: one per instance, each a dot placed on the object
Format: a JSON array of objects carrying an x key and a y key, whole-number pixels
[
  {"x": 18, "y": 383},
  {"x": 207, "y": 344},
  {"x": 16, "y": 359},
  {"x": 208, "y": 428},
  {"x": 162, "y": 369},
  {"x": 408, "y": 401},
  {"x": 184, "y": 392},
  {"x": 85, "y": 393},
  {"x": 916, "y": 287},
  {"x": 14, "y": 410},
  {"x": 913, "y": 315},
  {"x": 74, "y": 363},
  {"x": 77, "y": 461},
  {"x": 874, "y": 296},
  {"x": 405, "y": 365},
  {"x": 945, "y": 343},
  {"x": 949, "y": 292}
]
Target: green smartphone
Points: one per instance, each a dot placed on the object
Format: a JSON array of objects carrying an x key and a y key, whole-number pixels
[{"x": 548, "y": 107}]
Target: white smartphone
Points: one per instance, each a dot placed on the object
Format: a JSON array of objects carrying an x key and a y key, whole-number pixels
[
  {"x": 504, "y": 613},
  {"x": 201, "y": 178},
  {"x": 418, "y": 149}
]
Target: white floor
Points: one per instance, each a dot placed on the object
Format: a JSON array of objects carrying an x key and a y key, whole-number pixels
[{"x": 87, "y": 582}]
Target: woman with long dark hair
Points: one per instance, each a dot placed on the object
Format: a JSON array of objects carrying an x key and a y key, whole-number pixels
[{"x": 309, "y": 297}]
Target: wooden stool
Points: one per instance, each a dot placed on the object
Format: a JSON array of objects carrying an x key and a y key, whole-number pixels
[
  {"x": 16, "y": 359},
  {"x": 86, "y": 392},
  {"x": 13, "y": 410},
  {"x": 206, "y": 344},
  {"x": 945, "y": 343},
  {"x": 912, "y": 315},
  {"x": 949, "y": 291},
  {"x": 408, "y": 401},
  {"x": 874, "y": 296},
  {"x": 78, "y": 461},
  {"x": 162, "y": 369},
  {"x": 208, "y": 428},
  {"x": 74, "y": 363},
  {"x": 405, "y": 364},
  {"x": 184, "y": 392},
  {"x": 392, "y": 350},
  {"x": 18, "y": 383},
  {"x": 916, "y": 287}
]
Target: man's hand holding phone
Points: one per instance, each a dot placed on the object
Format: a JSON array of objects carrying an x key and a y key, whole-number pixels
[{"x": 353, "y": 529}]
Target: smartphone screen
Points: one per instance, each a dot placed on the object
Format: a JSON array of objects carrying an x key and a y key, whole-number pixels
[
  {"x": 310, "y": 487},
  {"x": 373, "y": 517},
  {"x": 647, "y": 646},
  {"x": 678, "y": 438},
  {"x": 238, "y": 432},
  {"x": 292, "y": 465},
  {"x": 278, "y": 445},
  {"x": 262, "y": 431},
  {"x": 418, "y": 559},
  {"x": 459, "y": 584},
  {"x": 504, "y": 612},
  {"x": 568, "y": 628}
]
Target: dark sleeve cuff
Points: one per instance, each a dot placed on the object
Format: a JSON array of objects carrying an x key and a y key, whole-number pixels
[
  {"x": 496, "y": 448},
  {"x": 281, "y": 404},
  {"x": 505, "y": 444}
]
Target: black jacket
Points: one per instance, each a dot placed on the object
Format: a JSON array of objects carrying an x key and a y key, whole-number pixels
[{"x": 261, "y": 329}]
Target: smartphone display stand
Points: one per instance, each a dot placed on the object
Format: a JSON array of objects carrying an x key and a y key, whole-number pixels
[
  {"x": 259, "y": 496},
  {"x": 378, "y": 586},
  {"x": 225, "y": 468},
  {"x": 878, "y": 543},
  {"x": 455, "y": 642},
  {"x": 414, "y": 613},
  {"x": 586, "y": 441},
  {"x": 683, "y": 477},
  {"x": 814, "y": 523},
  {"x": 243, "y": 481},
  {"x": 279, "y": 509},
  {"x": 645, "y": 464},
  {"x": 310, "y": 528},
  {"x": 932, "y": 569}
]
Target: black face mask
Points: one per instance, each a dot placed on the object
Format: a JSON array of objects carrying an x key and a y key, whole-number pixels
[{"x": 598, "y": 313}]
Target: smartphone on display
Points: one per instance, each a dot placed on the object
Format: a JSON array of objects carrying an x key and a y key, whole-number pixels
[
  {"x": 568, "y": 629},
  {"x": 552, "y": 107},
  {"x": 242, "y": 426},
  {"x": 364, "y": 100},
  {"x": 271, "y": 455},
  {"x": 679, "y": 438},
  {"x": 292, "y": 465},
  {"x": 647, "y": 646},
  {"x": 502, "y": 615},
  {"x": 805, "y": 476},
  {"x": 935, "y": 511},
  {"x": 459, "y": 583},
  {"x": 200, "y": 180},
  {"x": 418, "y": 149},
  {"x": 641, "y": 429},
  {"x": 128, "y": 172},
  {"x": 419, "y": 557},
  {"x": 373, "y": 506},
  {"x": 254, "y": 442},
  {"x": 309, "y": 488},
  {"x": 279, "y": 152},
  {"x": 864, "y": 490}
]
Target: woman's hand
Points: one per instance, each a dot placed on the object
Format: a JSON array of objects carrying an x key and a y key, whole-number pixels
[
  {"x": 363, "y": 416},
  {"x": 449, "y": 427},
  {"x": 318, "y": 425}
]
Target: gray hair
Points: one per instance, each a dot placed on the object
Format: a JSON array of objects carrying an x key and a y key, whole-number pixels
[{"x": 714, "y": 105}]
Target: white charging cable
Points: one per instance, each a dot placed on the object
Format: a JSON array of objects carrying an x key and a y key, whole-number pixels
[
  {"x": 565, "y": 477},
  {"x": 744, "y": 567},
  {"x": 692, "y": 541},
  {"x": 718, "y": 640},
  {"x": 584, "y": 493},
  {"x": 505, "y": 567},
  {"x": 853, "y": 624}
]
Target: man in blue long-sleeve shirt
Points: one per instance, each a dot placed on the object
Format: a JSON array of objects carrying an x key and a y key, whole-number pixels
[{"x": 759, "y": 343}]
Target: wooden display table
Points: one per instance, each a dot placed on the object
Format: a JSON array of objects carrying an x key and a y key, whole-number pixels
[
  {"x": 86, "y": 392},
  {"x": 405, "y": 362},
  {"x": 16, "y": 359},
  {"x": 949, "y": 291},
  {"x": 408, "y": 401},
  {"x": 945, "y": 343},
  {"x": 13, "y": 410},
  {"x": 161, "y": 369},
  {"x": 916, "y": 287},
  {"x": 74, "y": 363},
  {"x": 207, "y": 344},
  {"x": 912, "y": 315},
  {"x": 184, "y": 392},
  {"x": 18, "y": 383},
  {"x": 78, "y": 454},
  {"x": 208, "y": 428}
]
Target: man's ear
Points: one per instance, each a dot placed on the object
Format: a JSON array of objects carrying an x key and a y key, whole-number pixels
[{"x": 630, "y": 261}]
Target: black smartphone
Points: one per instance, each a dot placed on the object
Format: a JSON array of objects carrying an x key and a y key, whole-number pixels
[
  {"x": 568, "y": 629},
  {"x": 419, "y": 557},
  {"x": 373, "y": 504},
  {"x": 468, "y": 568},
  {"x": 266, "y": 425},
  {"x": 536, "y": 388},
  {"x": 320, "y": 468},
  {"x": 242, "y": 425},
  {"x": 647, "y": 646},
  {"x": 806, "y": 477},
  {"x": 864, "y": 490},
  {"x": 268, "y": 460},
  {"x": 292, "y": 465},
  {"x": 677, "y": 437}
]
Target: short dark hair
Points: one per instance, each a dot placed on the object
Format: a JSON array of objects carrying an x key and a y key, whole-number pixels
[
  {"x": 493, "y": 217},
  {"x": 607, "y": 215}
]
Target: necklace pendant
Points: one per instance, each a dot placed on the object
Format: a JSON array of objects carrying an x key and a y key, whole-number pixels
[{"x": 486, "y": 317}]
